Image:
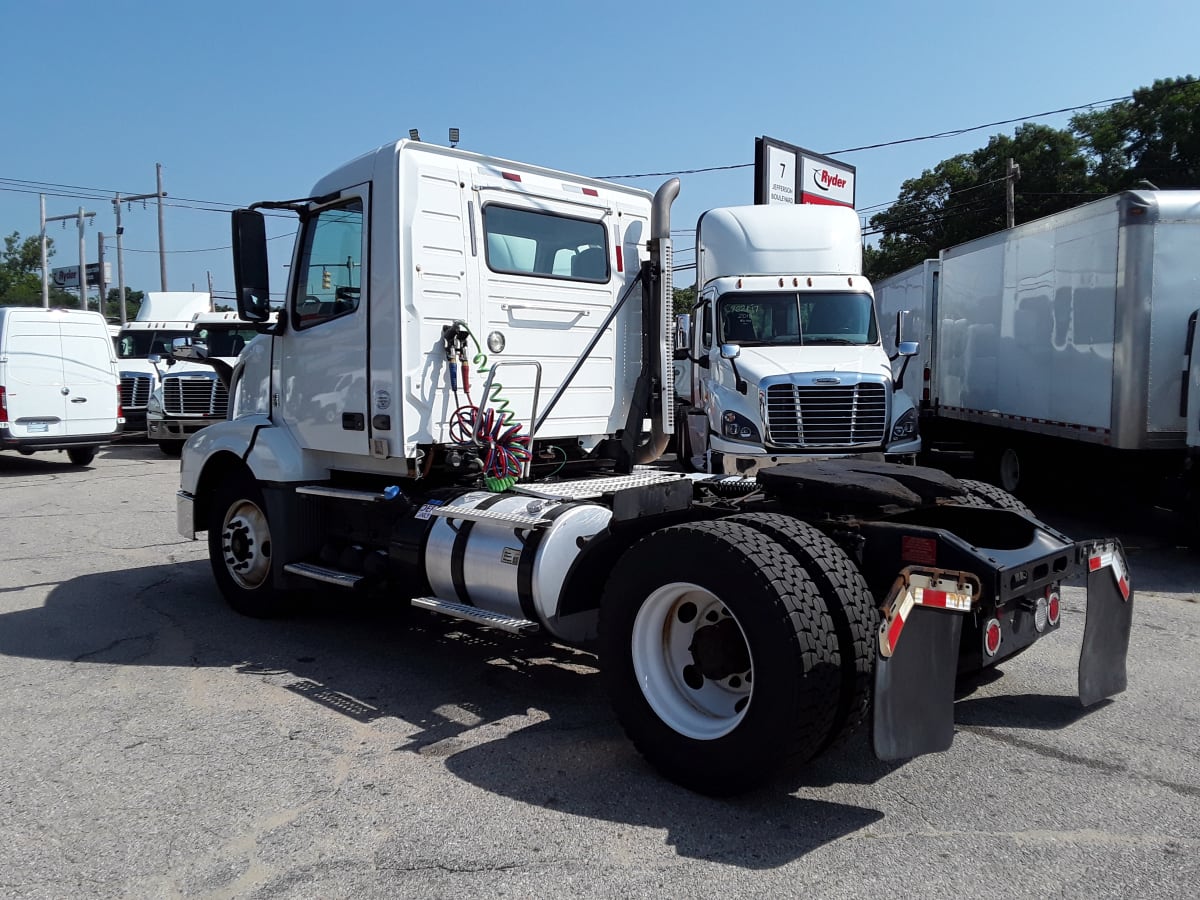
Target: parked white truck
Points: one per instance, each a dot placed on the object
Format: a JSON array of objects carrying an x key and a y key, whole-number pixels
[
  {"x": 188, "y": 396},
  {"x": 162, "y": 317},
  {"x": 781, "y": 359},
  {"x": 1068, "y": 344},
  {"x": 740, "y": 622}
]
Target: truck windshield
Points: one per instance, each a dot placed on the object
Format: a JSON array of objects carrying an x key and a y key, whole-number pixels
[
  {"x": 797, "y": 319},
  {"x": 223, "y": 340},
  {"x": 140, "y": 344}
]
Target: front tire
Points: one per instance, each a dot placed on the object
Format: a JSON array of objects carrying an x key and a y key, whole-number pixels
[
  {"x": 240, "y": 549},
  {"x": 173, "y": 449},
  {"x": 718, "y": 655}
]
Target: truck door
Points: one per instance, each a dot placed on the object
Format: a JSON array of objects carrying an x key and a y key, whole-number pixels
[
  {"x": 322, "y": 376},
  {"x": 89, "y": 378},
  {"x": 37, "y": 406}
]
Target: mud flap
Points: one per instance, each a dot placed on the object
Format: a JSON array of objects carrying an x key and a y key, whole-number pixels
[
  {"x": 1109, "y": 618},
  {"x": 914, "y": 687}
]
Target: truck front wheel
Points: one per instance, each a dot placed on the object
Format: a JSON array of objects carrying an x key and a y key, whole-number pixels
[
  {"x": 718, "y": 655},
  {"x": 239, "y": 548},
  {"x": 171, "y": 448}
]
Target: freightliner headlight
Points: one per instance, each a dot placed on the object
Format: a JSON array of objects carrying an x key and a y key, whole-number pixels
[
  {"x": 905, "y": 428},
  {"x": 736, "y": 427}
]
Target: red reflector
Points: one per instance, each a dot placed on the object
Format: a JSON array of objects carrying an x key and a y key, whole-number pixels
[
  {"x": 591, "y": 192},
  {"x": 925, "y": 395},
  {"x": 922, "y": 551},
  {"x": 991, "y": 637},
  {"x": 3, "y": 405},
  {"x": 1052, "y": 608},
  {"x": 511, "y": 176},
  {"x": 620, "y": 259},
  {"x": 926, "y": 374}
]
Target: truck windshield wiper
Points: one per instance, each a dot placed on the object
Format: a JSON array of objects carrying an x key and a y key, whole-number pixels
[{"x": 809, "y": 343}]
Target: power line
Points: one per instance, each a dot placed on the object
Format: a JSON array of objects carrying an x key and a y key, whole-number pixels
[{"x": 955, "y": 132}]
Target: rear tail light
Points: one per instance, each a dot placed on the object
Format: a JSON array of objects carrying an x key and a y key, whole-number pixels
[
  {"x": 1052, "y": 606},
  {"x": 120, "y": 409},
  {"x": 991, "y": 637},
  {"x": 3, "y": 405}
]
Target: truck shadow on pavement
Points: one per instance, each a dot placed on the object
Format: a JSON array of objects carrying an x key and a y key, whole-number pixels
[{"x": 456, "y": 688}]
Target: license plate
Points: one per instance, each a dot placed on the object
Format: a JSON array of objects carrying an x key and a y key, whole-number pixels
[{"x": 38, "y": 427}]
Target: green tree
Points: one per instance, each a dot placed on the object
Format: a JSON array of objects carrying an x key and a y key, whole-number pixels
[
  {"x": 685, "y": 299},
  {"x": 1153, "y": 136},
  {"x": 963, "y": 197},
  {"x": 133, "y": 302},
  {"x": 21, "y": 274}
]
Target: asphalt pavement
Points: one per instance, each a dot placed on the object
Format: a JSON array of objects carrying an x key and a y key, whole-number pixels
[{"x": 155, "y": 744}]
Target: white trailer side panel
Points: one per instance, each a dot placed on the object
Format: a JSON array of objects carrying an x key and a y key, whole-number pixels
[{"x": 1025, "y": 327}]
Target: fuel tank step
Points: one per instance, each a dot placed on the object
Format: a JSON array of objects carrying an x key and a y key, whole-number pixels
[
  {"x": 478, "y": 616},
  {"x": 323, "y": 574},
  {"x": 488, "y": 515}
]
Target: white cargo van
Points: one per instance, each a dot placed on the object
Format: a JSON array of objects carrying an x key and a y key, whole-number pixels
[{"x": 59, "y": 388}]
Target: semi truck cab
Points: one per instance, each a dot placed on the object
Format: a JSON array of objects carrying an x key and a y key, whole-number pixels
[{"x": 781, "y": 359}]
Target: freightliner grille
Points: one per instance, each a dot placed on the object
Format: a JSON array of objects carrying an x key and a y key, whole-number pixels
[
  {"x": 818, "y": 415},
  {"x": 194, "y": 395},
  {"x": 135, "y": 391}
]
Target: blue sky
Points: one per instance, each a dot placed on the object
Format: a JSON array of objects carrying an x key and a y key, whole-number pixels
[{"x": 255, "y": 99}]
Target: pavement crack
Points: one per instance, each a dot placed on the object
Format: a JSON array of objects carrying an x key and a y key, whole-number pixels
[{"x": 148, "y": 636}]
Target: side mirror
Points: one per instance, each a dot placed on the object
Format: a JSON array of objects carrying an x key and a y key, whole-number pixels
[
  {"x": 250, "y": 268},
  {"x": 908, "y": 348},
  {"x": 683, "y": 332},
  {"x": 154, "y": 359},
  {"x": 900, "y": 315},
  {"x": 731, "y": 351}
]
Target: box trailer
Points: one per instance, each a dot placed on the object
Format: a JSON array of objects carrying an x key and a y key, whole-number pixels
[{"x": 1065, "y": 340}]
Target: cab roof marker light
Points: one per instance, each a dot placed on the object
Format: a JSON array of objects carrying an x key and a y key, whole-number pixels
[
  {"x": 511, "y": 176},
  {"x": 578, "y": 189}
]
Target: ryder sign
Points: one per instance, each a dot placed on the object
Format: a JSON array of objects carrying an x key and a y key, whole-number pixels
[{"x": 784, "y": 173}]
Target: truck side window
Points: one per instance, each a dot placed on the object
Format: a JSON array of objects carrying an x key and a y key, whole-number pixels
[
  {"x": 329, "y": 278},
  {"x": 706, "y": 334},
  {"x": 531, "y": 242}
]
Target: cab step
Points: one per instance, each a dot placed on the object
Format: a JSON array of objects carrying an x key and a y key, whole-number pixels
[
  {"x": 478, "y": 616},
  {"x": 322, "y": 490},
  {"x": 324, "y": 574}
]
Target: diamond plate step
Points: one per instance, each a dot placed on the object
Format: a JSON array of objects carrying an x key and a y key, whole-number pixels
[
  {"x": 478, "y": 616},
  {"x": 487, "y": 515}
]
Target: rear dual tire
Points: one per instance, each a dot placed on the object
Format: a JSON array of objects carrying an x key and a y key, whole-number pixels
[{"x": 718, "y": 655}]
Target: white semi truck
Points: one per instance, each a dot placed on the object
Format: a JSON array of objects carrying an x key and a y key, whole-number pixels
[
  {"x": 449, "y": 414},
  {"x": 1067, "y": 345},
  {"x": 162, "y": 317},
  {"x": 188, "y": 396},
  {"x": 781, "y": 360}
]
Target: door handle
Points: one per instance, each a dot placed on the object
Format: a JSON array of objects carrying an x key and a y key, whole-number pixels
[
  {"x": 354, "y": 422},
  {"x": 79, "y": 399}
]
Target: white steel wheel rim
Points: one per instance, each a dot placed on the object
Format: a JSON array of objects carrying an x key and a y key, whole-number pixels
[
  {"x": 664, "y": 633},
  {"x": 1010, "y": 469},
  {"x": 246, "y": 544}
]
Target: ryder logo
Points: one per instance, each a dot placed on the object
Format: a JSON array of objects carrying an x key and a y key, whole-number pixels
[{"x": 826, "y": 180}]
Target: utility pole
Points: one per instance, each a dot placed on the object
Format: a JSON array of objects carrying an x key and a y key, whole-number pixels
[
  {"x": 162, "y": 253},
  {"x": 1011, "y": 177},
  {"x": 45, "y": 272},
  {"x": 80, "y": 216},
  {"x": 100, "y": 279},
  {"x": 210, "y": 292},
  {"x": 117, "y": 201}
]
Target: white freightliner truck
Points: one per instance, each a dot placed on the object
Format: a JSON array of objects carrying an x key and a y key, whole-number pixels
[
  {"x": 739, "y": 622},
  {"x": 781, "y": 358},
  {"x": 189, "y": 397},
  {"x": 1067, "y": 345},
  {"x": 162, "y": 317}
]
